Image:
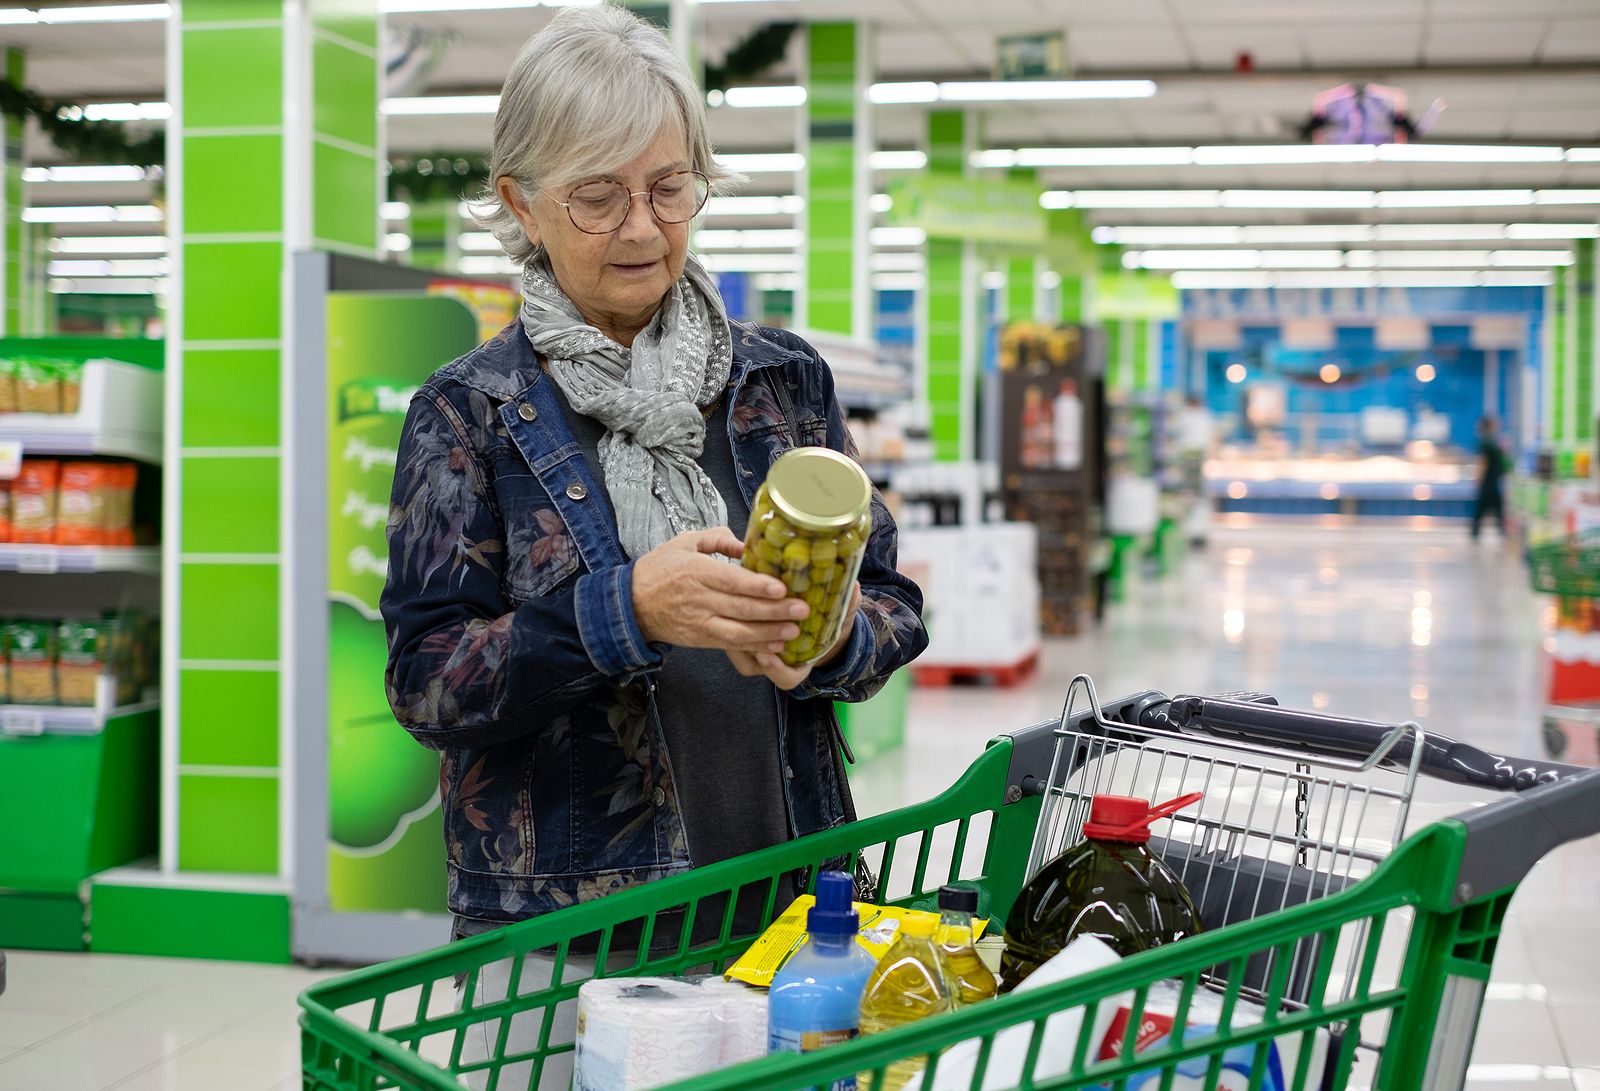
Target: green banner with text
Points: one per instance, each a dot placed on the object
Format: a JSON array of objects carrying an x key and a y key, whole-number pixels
[{"x": 952, "y": 206}]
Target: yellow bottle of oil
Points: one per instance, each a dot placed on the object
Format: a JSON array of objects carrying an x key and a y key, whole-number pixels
[
  {"x": 912, "y": 981},
  {"x": 974, "y": 981}
]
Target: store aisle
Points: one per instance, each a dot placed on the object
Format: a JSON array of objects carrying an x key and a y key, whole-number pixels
[{"x": 1375, "y": 621}]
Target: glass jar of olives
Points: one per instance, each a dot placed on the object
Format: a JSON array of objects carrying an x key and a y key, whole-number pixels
[{"x": 809, "y": 527}]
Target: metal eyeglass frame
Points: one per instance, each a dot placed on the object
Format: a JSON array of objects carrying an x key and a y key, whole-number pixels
[{"x": 648, "y": 194}]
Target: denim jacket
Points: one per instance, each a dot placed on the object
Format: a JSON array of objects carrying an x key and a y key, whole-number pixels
[{"x": 514, "y": 650}]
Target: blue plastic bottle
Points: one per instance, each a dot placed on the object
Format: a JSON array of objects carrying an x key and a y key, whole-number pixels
[{"x": 815, "y": 1000}]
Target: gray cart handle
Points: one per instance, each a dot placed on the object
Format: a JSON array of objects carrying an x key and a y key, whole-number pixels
[{"x": 1554, "y": 803}]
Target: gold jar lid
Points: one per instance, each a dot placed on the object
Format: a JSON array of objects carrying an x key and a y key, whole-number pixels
[{"x": 818, "y": 489}]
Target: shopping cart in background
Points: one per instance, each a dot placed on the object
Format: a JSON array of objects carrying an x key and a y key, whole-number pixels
[
  {"x": 1318, "y": 906},
  {"x": 1568, "y": 570}
]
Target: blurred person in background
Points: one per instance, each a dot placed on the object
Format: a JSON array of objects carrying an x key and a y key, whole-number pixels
[{"x": 1491, "y": 468}]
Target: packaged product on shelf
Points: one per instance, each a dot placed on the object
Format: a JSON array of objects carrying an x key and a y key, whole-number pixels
[
  {"x": 80, "y": 661},
  {"x": 880, "y": 924},
  {"x": 71, "y": 372},
  {"x": 121, "y": 479},
  {"x": 1109, "y": 885},
  {"x": 1205, "y": 1016},
  {"x": 5, "y": 511},
  {"x": 38, "y": 386},
  {"x": 81, "y": 510},
  {"x": 33, "y": 501},
  {"x": 640, "y": 1032},
  {"x": 8, "y": 385},
  {"x": 31, "y": 649},
  {"x": 120, "y": 633}
]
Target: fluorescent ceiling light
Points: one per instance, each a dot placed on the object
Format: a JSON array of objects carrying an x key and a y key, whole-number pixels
[
  {"x": 908, "y": 160},
  {"x": 486, "y": 266},
  {"x": 1132, "y": 198},
  {"x": 1417, "y": 259},
  {"x": 1192, "y": 259},
  {"x": 768, "y": 239},
  {"x": 150, "y": 267},
  {"x": 1453, "y": 198},
  {"x": 754, "y": 206},
  {"x": 426, "y": 105},
  {"x": 1297, "y": 198},
  {"x": 63, "y": 214},
  {"x": 898, "y": 236},
  {"x": 772, "y": 163},
  {"x": 1221, "y": 280},
  {"x": 1388, "y": 278},
  {"x": 1583, "y": 155},
  {"x": 1333, "y": 278},
  {"x": 1009, "y": 91},
  {"x": 104, "y": 13},
  {"x": 409, "y": 7},
  {"x": 1514, "y": 279},
  {"x": 394, "y": 210},
  {"x": 120, "y": 111},
  {"x": 993, "y": 280},
  {"x": 1269, "y": 154},
  {"x": 758, "y": 97},
  {"x": 109, "y": 244},
  {"x": 1552, "y": 231},
  {"x": 1425, "y": 278},
  {"x": 396, "y": 241},
  {"x": 880, "y": 202},
  {"x": 897, "y": 261},
  {"x": 750, "y": 263},
  {"x": 1531, "y": 258},
  {"x": 1567, "y": 197},
  {"x": 1469, "y": 153},
  {"x": 84, "y": 174},
  {"x": 111, "y": 286},
  {"x": 482, "y": 241},
  {"x": 1168, "y": 236},
  {"x": 1438, "y": 232},
  {"x": 896, "y": 282}
]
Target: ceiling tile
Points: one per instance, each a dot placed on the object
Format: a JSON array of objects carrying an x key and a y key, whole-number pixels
[
  {"x": 1344, "y": 44},
  {"x": 1217, "y": 47},
  {"x": 1126, "y": 49},
  {"x": 1572, "y": 40},
  {"x": 1506, "y": 42}
]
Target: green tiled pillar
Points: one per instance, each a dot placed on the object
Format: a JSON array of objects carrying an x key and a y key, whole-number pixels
[
  {"x": 950, "y": 311},
  {"x": 435, "y": 227},
  {"x": 16, "y": 287},
  {"x": 274, "y": 147},
  {"x": 1583, "y": 350},
  {"x": 835, "y": 294},
  {"x": 1022, "y": 274},
  {"x": 1556, "y": 397}
]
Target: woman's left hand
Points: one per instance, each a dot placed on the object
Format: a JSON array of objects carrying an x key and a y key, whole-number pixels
[{"x": 785, "y": 677}]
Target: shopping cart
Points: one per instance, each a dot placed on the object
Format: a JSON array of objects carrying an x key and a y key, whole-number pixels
[
  {"x": 1568, "y": 569},
  {"x": 1318, "y": 908}
]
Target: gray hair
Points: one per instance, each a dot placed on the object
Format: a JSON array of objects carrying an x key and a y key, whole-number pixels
[{"x": 589, "y": 92}]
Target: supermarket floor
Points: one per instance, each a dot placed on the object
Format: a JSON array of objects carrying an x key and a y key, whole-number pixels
[{"x": 1373, "y": 621}]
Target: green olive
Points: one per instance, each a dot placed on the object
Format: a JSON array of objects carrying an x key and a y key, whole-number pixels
[
  {"x": 824, "y": 551},
  {"x": 799, "y": 583},
  {"x": 797, "y": 554},
  {"x": 777, "y": 532}
]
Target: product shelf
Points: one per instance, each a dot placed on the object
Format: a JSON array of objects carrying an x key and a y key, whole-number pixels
[
  {"x": 53, "y": 559},
  {"x": 21, "y": 720},
  {"x": 119, "y": 414}
]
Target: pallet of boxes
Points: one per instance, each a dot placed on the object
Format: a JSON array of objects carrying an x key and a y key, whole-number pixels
[{"x": 1048, "y": 457}]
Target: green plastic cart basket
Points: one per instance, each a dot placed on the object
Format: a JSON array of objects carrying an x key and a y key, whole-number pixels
[
  {"x": 1567, "y": 566},
  {"x": 1362, "y": 953}
]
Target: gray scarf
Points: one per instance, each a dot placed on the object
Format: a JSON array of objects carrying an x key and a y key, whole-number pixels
[{"x": 648, "y": 398}]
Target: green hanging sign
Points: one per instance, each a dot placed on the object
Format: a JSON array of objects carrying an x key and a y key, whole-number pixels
[
  {"x": 952, "y": 206},
  {"x": 1134, "y": 295}
]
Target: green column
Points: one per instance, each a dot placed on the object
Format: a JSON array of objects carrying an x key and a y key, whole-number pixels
[
  {"x": 1556, "y": 398},
  {"x": 835, "y": 293},
  {"x": 950, "y": 313},
  {"x": 1582, "y": 426},
  {"x": 435, "y": 226},
  {"x": 1022, "y": 273},
  {"x": 12, "y": 322},
  {"x": 274, "y": 147}
]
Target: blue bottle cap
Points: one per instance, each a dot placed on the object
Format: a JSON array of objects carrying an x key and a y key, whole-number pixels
[{"x": 833, "y": 915}]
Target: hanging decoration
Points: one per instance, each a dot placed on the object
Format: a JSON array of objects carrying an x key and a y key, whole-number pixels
[
  {"x": 452, "y": 175},
  {"x": 88, "y": 141}
]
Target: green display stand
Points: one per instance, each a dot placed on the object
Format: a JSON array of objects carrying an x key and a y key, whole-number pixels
[
  {"x": 878, "y": 724},
  {"x": 87, "y": 802},
  {"x": 1168, "y": 548},
  {"x": 142, "y": 351},
  {"x": 1124, "y": 568}
]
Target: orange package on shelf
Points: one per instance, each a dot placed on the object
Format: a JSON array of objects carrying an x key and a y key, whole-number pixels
[
  {"x": 120, "y": 481},
  {"x": 33, "y": 501},
  {"x": 82, "y": 508},
  {"x": 5, "y": 511}
]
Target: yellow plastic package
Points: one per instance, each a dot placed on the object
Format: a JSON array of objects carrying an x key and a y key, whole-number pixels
[{"x": 880, "y": 924}]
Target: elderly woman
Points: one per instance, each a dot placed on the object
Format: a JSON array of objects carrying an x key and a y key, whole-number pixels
[{"x": 566, "y": 625}]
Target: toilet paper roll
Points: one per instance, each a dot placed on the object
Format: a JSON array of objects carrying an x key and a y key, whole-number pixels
[
  {"x": 637, "y": 1033},
  {"x": 744, "y": 1019}
]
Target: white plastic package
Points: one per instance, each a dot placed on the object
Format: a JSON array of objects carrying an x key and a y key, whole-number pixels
[{"x": 641, "y": 1032}]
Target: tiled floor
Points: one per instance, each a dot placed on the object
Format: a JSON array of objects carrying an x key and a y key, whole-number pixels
[{"x": 1378, "y": 622}]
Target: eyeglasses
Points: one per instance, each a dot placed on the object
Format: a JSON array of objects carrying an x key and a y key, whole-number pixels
[{"x": 599, "y": 208}]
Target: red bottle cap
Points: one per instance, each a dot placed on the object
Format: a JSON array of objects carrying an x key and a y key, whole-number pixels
[{"x": 1126, "y": 819}]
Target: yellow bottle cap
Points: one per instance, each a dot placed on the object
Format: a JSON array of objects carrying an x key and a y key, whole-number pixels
[{"x": 818, "y": 489}]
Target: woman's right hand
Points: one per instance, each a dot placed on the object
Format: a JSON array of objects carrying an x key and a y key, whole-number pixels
[{"x": 684, "y": 595}]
